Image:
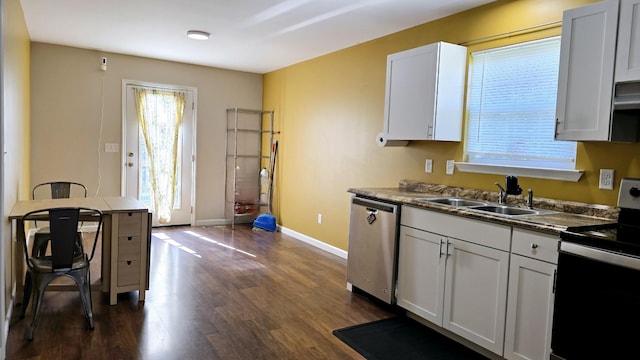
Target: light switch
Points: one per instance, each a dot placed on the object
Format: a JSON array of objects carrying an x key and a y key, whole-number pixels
[{"x": 111, "y": 147}]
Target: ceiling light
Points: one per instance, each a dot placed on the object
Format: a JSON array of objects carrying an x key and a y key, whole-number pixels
[{"x": 198, "y": 35}]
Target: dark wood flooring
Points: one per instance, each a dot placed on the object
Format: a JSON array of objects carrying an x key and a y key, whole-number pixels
[{"x": 214, "y": 294}]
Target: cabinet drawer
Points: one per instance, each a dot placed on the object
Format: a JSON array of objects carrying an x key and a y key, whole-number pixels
[
  {"x": 535, "y": 245},
  {"x": 129, "y": 224},
  {"x": 128, "y": 272},
  {"x": 128, "y": 248},
  {"x": 476, "y": 231}
]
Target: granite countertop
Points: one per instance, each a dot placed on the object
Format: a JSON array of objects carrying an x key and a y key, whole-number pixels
[{"x": 562, "y": 215}]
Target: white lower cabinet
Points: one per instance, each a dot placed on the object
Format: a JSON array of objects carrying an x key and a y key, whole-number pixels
[
  {"x": 530, "y": 307},
  {"x": 453, "y": 271}
]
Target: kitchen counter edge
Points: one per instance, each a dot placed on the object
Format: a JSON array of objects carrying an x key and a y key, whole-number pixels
[{"x": 559, "y": 220}]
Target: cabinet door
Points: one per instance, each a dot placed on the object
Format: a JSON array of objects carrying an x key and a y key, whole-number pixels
[
  {"x": 410, "y": 93},
  {"x": 628, "y": 50},
  {"x": 585, "y": 80},
  {"x": 476, "y": 293},
  {"x": 421, "y": 266},
  {"x": 530, "y": 309}
]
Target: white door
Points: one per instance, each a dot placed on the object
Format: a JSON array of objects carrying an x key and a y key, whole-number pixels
[{"x": 136, "y": 181}]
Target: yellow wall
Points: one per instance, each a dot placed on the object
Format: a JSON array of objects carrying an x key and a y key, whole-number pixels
[
  {"x": 15, "y": 133},
  {"x": 330, "y": 108}
]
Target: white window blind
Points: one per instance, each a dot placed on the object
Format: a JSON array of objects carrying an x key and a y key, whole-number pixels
[{"x": 511, "y": 107}]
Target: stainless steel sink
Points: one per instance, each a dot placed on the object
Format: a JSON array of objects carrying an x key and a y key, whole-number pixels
[
  {"x": 508, "y": 210},
  {"x": 454, "y": 201},
  {"x": 498, "y": 209}
]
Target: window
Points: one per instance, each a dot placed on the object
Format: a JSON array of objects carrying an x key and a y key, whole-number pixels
[{"x": 511, "y": 107}]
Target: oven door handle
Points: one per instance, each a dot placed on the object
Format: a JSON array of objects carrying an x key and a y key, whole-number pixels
[{"x": 627, "y": 261}]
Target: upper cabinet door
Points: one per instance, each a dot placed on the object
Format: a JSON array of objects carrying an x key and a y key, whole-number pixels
[
  {"x": 425, "y": 93},
  {"x": 585, "y": 80},
  {"x": 628, "y": 54}
]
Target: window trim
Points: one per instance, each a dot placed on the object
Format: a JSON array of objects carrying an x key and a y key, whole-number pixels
[{"x": 531, "y": 172}]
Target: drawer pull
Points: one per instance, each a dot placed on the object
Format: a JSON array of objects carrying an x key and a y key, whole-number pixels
[
  {"x": 534, "y": 245},
  {"x": 129, "y": 238},
  {"x": 129, "y": 262}
]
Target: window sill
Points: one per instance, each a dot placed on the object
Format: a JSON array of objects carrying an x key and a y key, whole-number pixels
[{"x": 540, "y": 173}]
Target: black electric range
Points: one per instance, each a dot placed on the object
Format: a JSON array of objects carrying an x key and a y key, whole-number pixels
[{"x": 596, "y": 292}]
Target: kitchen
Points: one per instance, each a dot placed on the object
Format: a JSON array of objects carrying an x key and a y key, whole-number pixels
[{"x": 329, "y": 110}]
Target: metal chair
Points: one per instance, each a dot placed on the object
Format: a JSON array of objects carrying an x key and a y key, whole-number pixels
[
  {"x": 54, "y": 190},
  {"x": 64, "y": 259},
  {"x": 58, "y": 190}
]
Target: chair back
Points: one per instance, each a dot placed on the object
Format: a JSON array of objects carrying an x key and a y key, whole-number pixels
[
  {"x": 63, "y": 224},
  {"x": 58, "y": 190}
]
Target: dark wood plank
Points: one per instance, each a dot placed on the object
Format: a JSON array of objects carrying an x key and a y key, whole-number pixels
[{"x": 215, "y": 293}]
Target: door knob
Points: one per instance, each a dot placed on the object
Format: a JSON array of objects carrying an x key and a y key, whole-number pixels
[
  {"x": 130, "y": 154},
  {"x": 130, "y": 164}
]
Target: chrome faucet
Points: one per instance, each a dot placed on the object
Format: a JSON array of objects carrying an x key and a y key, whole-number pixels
[
  {"x": 530, "y": 199},
  {"x": 502, "y": 196}
]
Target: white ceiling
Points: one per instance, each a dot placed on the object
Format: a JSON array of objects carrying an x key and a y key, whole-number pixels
[{"x": 248, "y": 35}]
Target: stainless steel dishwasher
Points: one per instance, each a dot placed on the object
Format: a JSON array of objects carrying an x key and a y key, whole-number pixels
[{"x": 372, "y": 257}]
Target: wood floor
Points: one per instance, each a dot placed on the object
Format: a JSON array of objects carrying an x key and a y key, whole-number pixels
[{"x": 214, "y": 294}]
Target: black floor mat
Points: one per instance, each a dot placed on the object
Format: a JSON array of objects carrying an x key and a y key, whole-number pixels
[{"x": 402, "y": 338}]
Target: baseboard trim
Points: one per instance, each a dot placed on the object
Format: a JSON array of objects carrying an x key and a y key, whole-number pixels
[
  {"x": 314, "y": 242},
  {"x": 212, "y": 222}
]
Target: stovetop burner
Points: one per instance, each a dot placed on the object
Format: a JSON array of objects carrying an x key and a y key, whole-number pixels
[{"x": 623, "y": 236}]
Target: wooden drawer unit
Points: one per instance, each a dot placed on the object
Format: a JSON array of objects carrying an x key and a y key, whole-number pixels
[{"x": 129, "y": 240}]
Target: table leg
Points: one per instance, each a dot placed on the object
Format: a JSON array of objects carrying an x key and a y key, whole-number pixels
[{"x": 18, "y": 258}]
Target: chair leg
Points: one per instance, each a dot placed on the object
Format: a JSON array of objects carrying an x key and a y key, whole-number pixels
[
  {"x": 84, "y": 287},
  {"x": 79, "y": 247},
  {"x": 40, "y": 244},
  {"x": 26, "y": 295},
  {"x": 39, "y": 284}
]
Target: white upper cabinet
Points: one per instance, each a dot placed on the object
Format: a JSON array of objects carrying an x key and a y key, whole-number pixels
[
  {"x": 628, "y": 53},
  {"x": 425, "y": 93},
  {"x": 588, "y": 57},
  {"x": 585, "y": 80}
]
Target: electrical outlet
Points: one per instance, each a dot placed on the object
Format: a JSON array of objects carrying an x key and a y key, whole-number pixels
[
  {"x": 319, "y": 218},
  {"x": 450, "y": 167},
  {"x": 606, "y": 179},
  {"x": 428, "y": 166}
]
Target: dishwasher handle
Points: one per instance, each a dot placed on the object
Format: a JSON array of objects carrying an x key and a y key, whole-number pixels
[{"x": 375, "y": 206}]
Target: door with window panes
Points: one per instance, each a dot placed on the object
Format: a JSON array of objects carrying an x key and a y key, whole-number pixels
[{"x": 137, "y": 175}]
